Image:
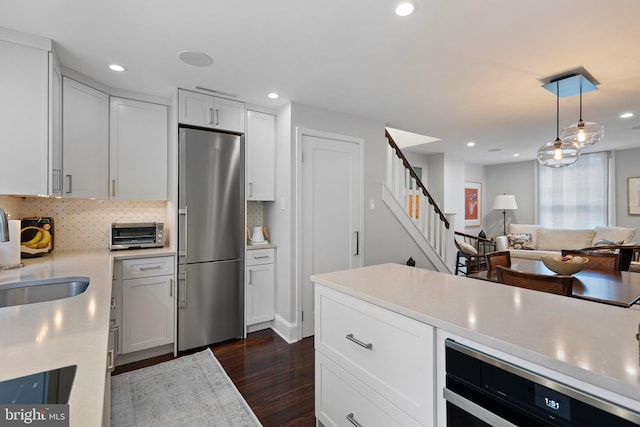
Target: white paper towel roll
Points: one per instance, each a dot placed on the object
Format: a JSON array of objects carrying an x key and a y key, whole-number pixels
[{"x": 10, "y": 251}]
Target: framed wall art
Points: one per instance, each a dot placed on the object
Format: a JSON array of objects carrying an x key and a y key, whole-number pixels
[
  {"x": 633, "y": 195},
  {"x": 472, "y": 204}
]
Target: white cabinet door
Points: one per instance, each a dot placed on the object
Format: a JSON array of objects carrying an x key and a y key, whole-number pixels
[
  {"x": 208, "y": 111},
  {"x": 261, "y": 156},
  {"x": 23, "y": 119},
  {"x": 55, "y": 127},
  {"x": 147, "y": 313},
  {"x": 228, "y": 115},
  {"x": 85, "y": 131},
  {"x": 138, "y": 150},
  {"x": 260, "y": 293},
  {"x": 195, "y": 108}
]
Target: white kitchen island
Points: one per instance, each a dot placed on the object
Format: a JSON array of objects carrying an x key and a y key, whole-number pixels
[
  {"x": 72, "y": 331},
  {"x": 586, "y": 345}
]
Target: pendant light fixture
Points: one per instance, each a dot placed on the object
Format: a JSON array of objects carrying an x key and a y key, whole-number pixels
[
  {"x": 585, "y": 134},
  {"x": 558, "y": 153}
]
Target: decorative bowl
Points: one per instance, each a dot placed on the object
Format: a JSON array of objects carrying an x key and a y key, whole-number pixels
[{"x": 569, "y": 264}]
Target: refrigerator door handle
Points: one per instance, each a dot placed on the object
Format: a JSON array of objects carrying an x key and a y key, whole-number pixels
[
  {"x": 357, "y": 243},
  {"x": 184, "y": 211},
  {"x": 182, "y": 291}
]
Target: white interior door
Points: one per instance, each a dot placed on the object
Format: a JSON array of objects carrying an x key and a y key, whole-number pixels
[{"x": 331, "y": 217}]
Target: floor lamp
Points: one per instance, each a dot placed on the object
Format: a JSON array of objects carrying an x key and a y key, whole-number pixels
[{"x": 505, "y": 202}]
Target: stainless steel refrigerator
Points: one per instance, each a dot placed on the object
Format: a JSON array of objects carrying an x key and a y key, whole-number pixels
[{"x": 211, "y": 237}]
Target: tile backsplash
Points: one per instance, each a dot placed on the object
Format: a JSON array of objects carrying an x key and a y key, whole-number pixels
[
  {"x": 85, "y": 224},
  {"x": 255, "y": 214},
  {"x": 81, "y": 223}
]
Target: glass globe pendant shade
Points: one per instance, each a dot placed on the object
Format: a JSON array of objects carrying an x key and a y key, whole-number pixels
[
  {"x": 585, "y": 134},
  {"x": 558, "y": 154}
]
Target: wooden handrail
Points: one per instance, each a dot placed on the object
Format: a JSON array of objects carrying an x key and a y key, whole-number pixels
[{"x": 419, "y": 183}]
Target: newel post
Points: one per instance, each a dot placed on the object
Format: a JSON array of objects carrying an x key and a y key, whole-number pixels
[{"x": 450, "y": 247}]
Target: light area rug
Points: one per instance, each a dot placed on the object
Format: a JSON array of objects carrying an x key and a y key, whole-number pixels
[{"x": 192, "y": 391}]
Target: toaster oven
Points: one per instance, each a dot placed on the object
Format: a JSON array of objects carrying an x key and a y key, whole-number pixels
[{"x": 136, "y": 235}]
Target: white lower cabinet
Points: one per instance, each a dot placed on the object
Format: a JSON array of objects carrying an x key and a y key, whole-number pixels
[
  {"x": 343, "y": 400},
  {"x": 388, "y": 357},
  {"x": 260, "y": 286},
  {"x": 147, "y": 303}
]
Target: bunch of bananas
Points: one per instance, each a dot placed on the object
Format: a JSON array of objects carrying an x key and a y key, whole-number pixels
[{"x": 41, "y": 240}]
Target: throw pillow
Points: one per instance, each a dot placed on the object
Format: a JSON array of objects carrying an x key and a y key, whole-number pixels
[
  {"x": 520, "y": 241},
  {"x": 467, "y": 248}
]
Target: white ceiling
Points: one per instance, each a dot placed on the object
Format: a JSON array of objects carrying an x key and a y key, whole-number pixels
[{"x": 464, "y": 70}]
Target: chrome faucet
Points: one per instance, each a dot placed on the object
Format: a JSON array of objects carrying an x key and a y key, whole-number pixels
[{"x": 4, "y": 226}]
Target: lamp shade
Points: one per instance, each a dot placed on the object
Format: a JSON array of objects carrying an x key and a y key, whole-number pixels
[{"x": 505, "y": 202}]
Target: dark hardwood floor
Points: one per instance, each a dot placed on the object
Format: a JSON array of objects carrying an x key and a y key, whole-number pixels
[{"x": 275, "y": 378}]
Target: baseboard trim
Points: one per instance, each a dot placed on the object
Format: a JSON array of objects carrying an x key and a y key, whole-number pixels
[{"x": 286, "y": 330}]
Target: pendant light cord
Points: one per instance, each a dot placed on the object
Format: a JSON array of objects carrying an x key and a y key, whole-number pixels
[
  {"x": 580, "y": 100},
  {"x": 557, "y": 110}
]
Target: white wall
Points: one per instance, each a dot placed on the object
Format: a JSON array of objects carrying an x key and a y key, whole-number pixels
[
  {"x": 477, "y": 173},
  {"x": 384, "y": 240},
  {"x": 627, "y": 166},
  {"x": 518, "y": 179},
  {"x": 278, "y": 217},
  {"x": 454, "y": 189}
]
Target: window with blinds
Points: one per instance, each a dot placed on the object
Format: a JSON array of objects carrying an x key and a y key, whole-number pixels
[{"x": 576, "y": 196}]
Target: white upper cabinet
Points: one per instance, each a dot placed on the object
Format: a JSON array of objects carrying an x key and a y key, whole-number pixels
[
  {"x": 24, "y": 113},
  {"x": 85, "y": 131},
  {"x": 261, "y": 156},
  {"x": 208, "y": 111},
  {"x": 138, "y": 150},
  {"x": 55, "y": 127},
  {"x": 228, "y": 115},
  {"x": 195, "y": 109}
]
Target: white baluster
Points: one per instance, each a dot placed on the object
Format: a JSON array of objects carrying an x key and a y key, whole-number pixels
[{"x": 389, "y": 163}]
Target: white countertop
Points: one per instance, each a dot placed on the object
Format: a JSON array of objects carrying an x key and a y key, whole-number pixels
[
  {"x": 71, "y": 331},
  {"x": 265, "y": 246},
  {"x": 589, "y": 341}
]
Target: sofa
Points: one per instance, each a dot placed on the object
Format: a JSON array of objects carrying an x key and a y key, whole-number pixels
[{"x": 532, "y": 241}]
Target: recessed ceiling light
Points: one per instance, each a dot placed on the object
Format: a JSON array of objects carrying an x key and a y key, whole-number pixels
[
  {"x": 405, "y": 8},
  {"x": 470, "y": 144},
  {"x": 197, "y": 59},
  {"x": 516, "y": 155},
  {"x": 273, "y": 95},
  {"x": 116, "y": 67},
  {"x": 626, "y": 115}
]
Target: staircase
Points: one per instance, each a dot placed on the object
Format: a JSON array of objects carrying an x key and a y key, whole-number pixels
[{"x": 407, "y": 197}]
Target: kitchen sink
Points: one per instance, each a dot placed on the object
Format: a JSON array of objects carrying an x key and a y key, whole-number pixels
[{"x": 33, "y": 291}]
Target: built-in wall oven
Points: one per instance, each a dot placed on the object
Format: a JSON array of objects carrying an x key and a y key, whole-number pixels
[{"x": 482, "y": 390}]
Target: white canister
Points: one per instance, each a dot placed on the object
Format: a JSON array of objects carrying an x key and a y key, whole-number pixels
[{"x": 10, "y": 251}]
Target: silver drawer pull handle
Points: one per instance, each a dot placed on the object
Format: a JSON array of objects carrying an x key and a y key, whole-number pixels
[
  {"x": 261, "y": 257},
  {"x": 360, "y": 343},
  {"x": 353, "y": 420},
  {"x": 155, "y": 267}
]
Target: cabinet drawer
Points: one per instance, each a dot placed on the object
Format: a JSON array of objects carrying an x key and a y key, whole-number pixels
[
  {"x": 390, "y": 353},
  {"x": 340, "y": 398},
  {"x": 147, "y": 267},
  {"x": 260, "y": 256}
]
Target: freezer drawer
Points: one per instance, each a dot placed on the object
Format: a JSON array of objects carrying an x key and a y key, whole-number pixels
[{"x": 210, "y": 303}]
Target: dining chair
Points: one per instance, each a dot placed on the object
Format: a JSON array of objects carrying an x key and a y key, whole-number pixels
[
  {"x": 497, "y": 258},
  {"x": 602, "y": 261},
  {"x": 560, "y": 285},
  {"x": 471, "y": 256}
]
